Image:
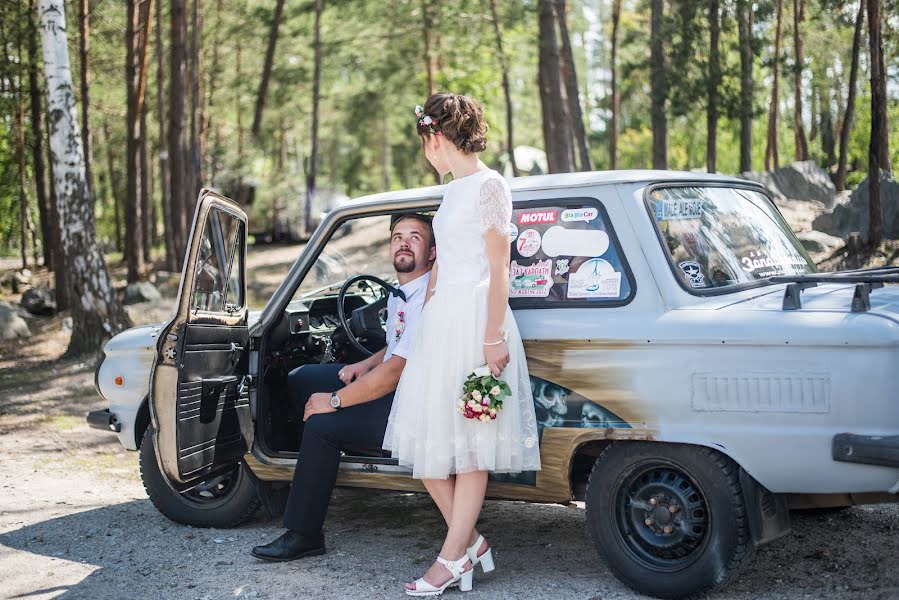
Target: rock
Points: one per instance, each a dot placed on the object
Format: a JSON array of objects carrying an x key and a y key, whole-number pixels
[
  {"x": 12, "y": 326},
  {"x": 141, "y": 291},
  {"x": 852, "y": 214},
  {"x": 818, "y": 242},
  {"x": 798, "y": 181},
  {"x": 39, "y": 301},
  {"x": 799, "y": 214}
]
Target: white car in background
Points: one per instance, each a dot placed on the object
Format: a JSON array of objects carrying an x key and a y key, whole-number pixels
[{"x": 694, "y": 377}]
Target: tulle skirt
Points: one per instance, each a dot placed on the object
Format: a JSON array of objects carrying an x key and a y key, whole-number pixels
[{"x": 426, "y": 430}]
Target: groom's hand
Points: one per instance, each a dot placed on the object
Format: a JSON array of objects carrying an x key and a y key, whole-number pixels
[{"x": 318, "y": 403}]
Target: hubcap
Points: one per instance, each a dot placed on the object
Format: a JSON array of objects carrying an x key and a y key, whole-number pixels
[
  {"x": 213, "y": 490},
  {"x": 662, "y": 516}
]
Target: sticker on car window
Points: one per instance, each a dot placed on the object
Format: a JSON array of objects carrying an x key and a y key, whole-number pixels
[
  {"x": 596, "y": 278},
  {"x": 513, "y": 232},
  {"x": 560, "y": 241},
  {"x": 561, "y": 266},
  {"x": 586, "y": 214},
  {"x": 537, "y": 217},
  {"x": 528, "y": 243},
  {"x": 693, "y": 272},
  {"x": 530, "y": 281},
  {"x": 679, "y": 209}
]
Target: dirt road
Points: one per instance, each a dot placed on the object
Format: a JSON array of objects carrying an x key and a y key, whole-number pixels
[{"x": 76, "y": 523}]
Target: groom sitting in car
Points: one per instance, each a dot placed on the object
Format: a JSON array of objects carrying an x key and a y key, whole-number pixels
[{"x": 348, "y": 405}]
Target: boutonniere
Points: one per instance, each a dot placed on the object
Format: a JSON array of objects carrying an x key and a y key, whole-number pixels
[{"x": 400, "y": 325}]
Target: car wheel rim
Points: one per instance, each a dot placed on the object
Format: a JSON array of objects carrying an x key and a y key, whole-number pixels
[
  {"x": 661, "y": 516},
  {"x": 214, "y": 491}
]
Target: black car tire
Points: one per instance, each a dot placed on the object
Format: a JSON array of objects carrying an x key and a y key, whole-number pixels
[
  {"x": 696, "y": 536},
  {"x": 224, "y": 501}
]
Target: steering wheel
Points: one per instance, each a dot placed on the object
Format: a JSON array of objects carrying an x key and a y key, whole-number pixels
[{"x": 365, "y": 322}]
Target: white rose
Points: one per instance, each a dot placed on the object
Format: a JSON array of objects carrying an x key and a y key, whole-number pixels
[
  {"x": 495, "y": 391},
  {"x": 492, "y": 412},
  {"x": 484, "y": 417},
  {"x": 427, "y": 120},
  {"x": 482, "y": 371},
  {"x": 476, "y": 395},
  {"x": 477, "y": 408},
  {"x": 472, "y": 403}
]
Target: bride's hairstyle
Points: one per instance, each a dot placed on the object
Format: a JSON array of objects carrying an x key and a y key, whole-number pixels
[{"x": 457, "y": 118}]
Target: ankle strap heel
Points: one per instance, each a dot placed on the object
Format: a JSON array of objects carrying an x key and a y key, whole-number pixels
[{"x": 485, "y": 560}]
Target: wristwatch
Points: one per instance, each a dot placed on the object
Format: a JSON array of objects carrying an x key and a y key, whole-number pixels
[{"x": 335, "y": 401}]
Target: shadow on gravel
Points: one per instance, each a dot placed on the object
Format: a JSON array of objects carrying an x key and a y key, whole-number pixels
[{"x": 376, "y": 540}]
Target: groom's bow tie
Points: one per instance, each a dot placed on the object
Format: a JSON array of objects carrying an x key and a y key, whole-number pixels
[{"x": 395, "y": 291}]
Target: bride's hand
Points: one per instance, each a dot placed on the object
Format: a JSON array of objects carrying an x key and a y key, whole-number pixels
[{"x": 496, "y": 357}]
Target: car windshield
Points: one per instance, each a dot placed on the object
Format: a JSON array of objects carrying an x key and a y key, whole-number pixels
[{"x": 718, "y": 237}]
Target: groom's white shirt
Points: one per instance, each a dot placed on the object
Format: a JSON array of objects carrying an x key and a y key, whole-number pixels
[{"x": 402, "y": 316}]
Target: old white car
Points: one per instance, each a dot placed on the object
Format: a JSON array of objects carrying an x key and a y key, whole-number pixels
[{"x": 694, "y": 377}]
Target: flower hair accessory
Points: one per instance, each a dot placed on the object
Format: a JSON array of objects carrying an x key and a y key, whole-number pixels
[{"x": 426, "y": 120}]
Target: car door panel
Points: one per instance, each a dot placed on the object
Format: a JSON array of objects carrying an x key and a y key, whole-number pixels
[{"x": 199, "y": 404}]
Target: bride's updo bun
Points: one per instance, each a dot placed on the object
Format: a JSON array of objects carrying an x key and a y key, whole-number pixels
[{"x": 460, "y": 119}]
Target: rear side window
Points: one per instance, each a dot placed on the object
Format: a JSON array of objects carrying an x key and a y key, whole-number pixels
[{"x": 565, "y": 253}]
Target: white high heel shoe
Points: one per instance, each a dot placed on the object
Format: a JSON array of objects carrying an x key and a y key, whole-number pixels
[
  {"x": 464, "y": 579},
  {"x": 485, "y": 560}
]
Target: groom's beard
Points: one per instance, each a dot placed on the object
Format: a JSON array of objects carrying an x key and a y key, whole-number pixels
[{"x": 404, "y": 262}]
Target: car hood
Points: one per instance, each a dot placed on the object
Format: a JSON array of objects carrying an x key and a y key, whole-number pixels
[{"x": 827, "y": 297}]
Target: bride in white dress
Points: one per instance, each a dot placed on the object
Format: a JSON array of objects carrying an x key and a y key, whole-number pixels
[{"x": 465, "y": 323}]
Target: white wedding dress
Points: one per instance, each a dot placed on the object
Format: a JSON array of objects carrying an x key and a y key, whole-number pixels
[{"x": 426, "y": 431}]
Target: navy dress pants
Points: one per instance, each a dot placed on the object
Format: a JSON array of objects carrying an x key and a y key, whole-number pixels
[{"x": 323, "y": 437}]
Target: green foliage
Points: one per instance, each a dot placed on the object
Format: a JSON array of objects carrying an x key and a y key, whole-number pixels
[{"x": 373, "y": 73}]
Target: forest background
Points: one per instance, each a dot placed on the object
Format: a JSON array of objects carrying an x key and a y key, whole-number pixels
[{"x": 289, "y": 105}]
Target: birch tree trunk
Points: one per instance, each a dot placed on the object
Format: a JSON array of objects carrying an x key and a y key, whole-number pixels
[
  {"x": 97, "y": 314},
  {"x": 37, "y": 143}
]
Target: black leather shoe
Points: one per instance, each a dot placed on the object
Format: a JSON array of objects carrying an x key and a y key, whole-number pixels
[{"x": 291, "y": 546}]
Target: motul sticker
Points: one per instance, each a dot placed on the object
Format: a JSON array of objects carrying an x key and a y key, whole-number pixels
[{"x": 537, "y": 218}]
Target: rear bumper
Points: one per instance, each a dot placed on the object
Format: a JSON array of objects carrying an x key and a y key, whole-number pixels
[
  {"x": 103, "y": 419},
  {"x": 866, "y": 449}
]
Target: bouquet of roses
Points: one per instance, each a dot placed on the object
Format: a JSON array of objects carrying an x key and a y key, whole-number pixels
[{"x": 482, "y": 395}]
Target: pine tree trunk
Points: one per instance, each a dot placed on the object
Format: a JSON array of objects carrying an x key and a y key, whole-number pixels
[
  {"x": 507, "y": 93},
  {"x": 744, "y": 25},
  {"x": 195, "y": 178},
  {"x": 430, "y": 56},
  {"x": 846, "y": 127},
  {"x": 555, "y": 111},
  {"x": 772, "y": 161},
  {"x": 214, "y": 75},
  {"x": 37, "y": 143},
  {"x": 828, "y": 142},
  {"x": 83, "y": 49},
  {"x": 115, "y": 187},
  {"x": 313, "y": 154},
  {"x": 798, "y": 127},
  {"x": 616, "y": 94},
  {"x": 20, "y": 155},
  {"x": 171, "y": 258},
  {"x": 178, "y": 157},
  {"x": 711, "y": 152},
  {"x": 267, "y": 67},
  {"x": 659, "y": 88},
  {"x": 134, "y": 235},
  {"x": 571, "y": 89},
  {"x": 97, "y": 315},
  {"x": 878, "y": 149}
]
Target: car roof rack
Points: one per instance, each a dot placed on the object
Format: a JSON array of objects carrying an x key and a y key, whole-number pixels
[{"x": 865, "y": 280}]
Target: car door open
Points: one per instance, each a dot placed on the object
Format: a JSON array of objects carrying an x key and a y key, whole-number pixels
[{"x": 199, "y": 399}]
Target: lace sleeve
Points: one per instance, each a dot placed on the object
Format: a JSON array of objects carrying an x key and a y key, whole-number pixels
[{"x": 496, "y": 206}]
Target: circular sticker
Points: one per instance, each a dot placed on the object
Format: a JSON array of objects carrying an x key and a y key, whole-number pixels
[
  {"x": 528, "y": 242},
  {"x": 513, "y": 232}
]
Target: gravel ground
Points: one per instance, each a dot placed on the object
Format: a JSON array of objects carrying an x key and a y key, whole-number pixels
[{"x": 76, "y": 523}]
